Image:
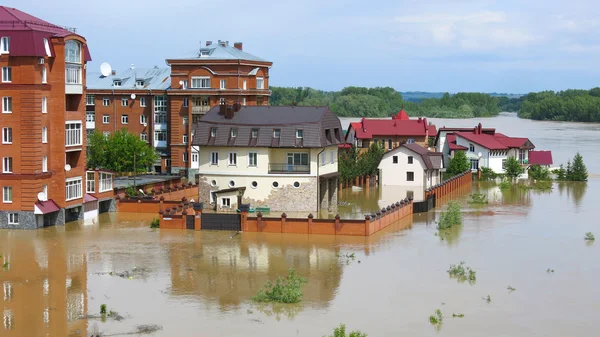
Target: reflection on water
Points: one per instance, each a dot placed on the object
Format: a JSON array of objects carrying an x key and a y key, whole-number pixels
[{"x": 574, "y": 190}]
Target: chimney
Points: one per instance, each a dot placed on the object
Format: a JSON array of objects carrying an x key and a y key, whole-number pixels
[
  {"x": 114, "y": 72},
  {"x": 227, "y": 43},
  {"x": 222, "y": 109},
  {"x": 237, "y": 106},
  {"x": 479, "y": 128},
  {"x": 229, "y": 113},
  {"x": 393, "y": 116},
  {"x": 222, "y": 43},
  {"x": 420, "y": 120},
  {"x": 238, "y": 45},
  {"x": 208, "y": 43}
]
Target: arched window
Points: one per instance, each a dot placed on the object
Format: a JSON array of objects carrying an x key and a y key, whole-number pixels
[{"x": 73, "y": 51}]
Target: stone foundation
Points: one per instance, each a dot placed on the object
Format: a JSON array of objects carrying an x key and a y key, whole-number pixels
[
  {"x": 28, "y": 220},
  {"x": 287, "y": 198}
]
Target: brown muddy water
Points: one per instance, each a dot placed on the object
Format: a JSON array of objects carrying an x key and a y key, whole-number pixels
[{"x": 201, "y": 283}]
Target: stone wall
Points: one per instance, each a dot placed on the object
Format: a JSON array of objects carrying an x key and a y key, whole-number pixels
[
  {"x": 204, "y": 190},
  {"x": 26, "y": 220},
  {"x": 289, "y": 199}
]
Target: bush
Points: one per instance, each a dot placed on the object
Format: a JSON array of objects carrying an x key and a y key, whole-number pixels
[
  {"x": 436, "y": 318},
  {"x": 341, "y": 332},
  {"x": 462, "y": 273},
  {"x": 504, "y": 185},
  {"x": 103, "y": 309},
  {"x": 478, "y": 198},
  {"x": 155, "y": 223},
  {"x": 578, "y": 170},
  {"x": 488, "y": 174},
  {"x": 286, "y": 290},
  {"x": 130, "y": 191},
  {"x": 458, "y": 164},
  {"x": 512, "y": 168},
  {"x": 537, "y": 172},
  {"x": 451, "y": 216},
  {"x": 589, "y": 236}
]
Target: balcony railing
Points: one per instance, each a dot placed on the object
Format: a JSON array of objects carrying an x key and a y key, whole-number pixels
[
  {"x": 289, "y": 168},
  {"x": 73, "y": 74},
  {"x": 200, "y": 109}
]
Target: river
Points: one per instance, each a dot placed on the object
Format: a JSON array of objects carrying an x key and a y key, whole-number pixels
[{"x": 201, "y": 283}]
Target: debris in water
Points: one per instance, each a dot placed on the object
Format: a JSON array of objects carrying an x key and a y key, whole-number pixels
[{"x": 148, "y": 328}]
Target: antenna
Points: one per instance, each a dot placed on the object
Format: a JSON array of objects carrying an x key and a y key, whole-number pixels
[
  {"x": 105, "y": 69},
  {"x": 132, "y": 96},
  {"x": 42, "y": 196},
  {"x": 132, "y": 66}
]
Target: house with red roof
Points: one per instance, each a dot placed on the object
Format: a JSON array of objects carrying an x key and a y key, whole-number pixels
[
  {"x": 390, "y": 133},
  {"x": 542, "y": 158}
]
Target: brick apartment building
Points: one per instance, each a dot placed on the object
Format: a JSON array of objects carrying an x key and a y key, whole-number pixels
[
  {"x": 167, "y": 100},
  {"x": 43, "y": 109}
]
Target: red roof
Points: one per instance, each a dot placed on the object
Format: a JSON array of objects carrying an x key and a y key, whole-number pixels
[
  {"x": 540, "y": 157},
  {"x": 368, "y": 128},
  {"x": 27, "y": 33},
  {"x": 402, "y": 115},
  {"x": 88, "y": 198},
  {"x": 46, "y": 207},
  {"x": 432, "y": 130},
  {"x": 494, "y": 141},
  {"x": 451, "y": 138}
]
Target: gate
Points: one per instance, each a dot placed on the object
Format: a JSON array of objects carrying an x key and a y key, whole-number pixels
[
  {"x": 223, "y": 222},
  {"x": 189, "y": 221}
]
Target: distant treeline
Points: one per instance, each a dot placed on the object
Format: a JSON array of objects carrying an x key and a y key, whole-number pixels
[
  {"x": 383, "y": 102},
  {"x": 568, "y": 105}
]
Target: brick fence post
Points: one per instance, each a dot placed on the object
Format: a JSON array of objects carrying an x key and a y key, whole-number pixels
[
  {"x": 310, "y": 223},
  {"x": 367, "y": 225},
  {"x": 337, "y": 224},
  {"x": 283, "y": 219}
]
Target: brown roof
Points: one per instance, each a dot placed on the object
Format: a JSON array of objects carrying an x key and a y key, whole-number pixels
[
  {"x": 319, "y": 125},
  {"x": 431, "y": 159}
]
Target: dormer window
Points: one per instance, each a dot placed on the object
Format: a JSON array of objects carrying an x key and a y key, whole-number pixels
[
  {"x": 254, "y": 133},
  {"x": 299, "y": 133},
  {"x": 139, "y": 83},
  {"x": 276, "y": 133},
  {"x": 204, "y": 53},
  {"x": 213, "y": 132},
  {"x": 233, "y": 132},
  {"x": 116, "y": 83}
]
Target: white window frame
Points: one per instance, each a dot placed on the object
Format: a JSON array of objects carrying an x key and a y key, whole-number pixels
[
  {"x": 105, "y": 119},
  {"x": 44, "y": 75},
  {"x": 244, "y": 85},
  {"x": 7, "y": 165},
  {"x": 158, "y": 135},
  {"x": 226, "y": 202},
  {"x": 124, "y": 102},
  {"x": 252, "y": 159},
  {"x": 332, "y": 157},
  {"x": 254, "y": 133},
  {"x": 7, "y": 194},
  {"x": 45, "y": 164},
  {"x": 244, "y": 101},
  {"x": 7, "y": 135},
  {"x": 105, "y": 101},
  {"x": 6, "y": 105},
  {"x": 299, "y": 134},
  {"x": 232, "y": 159},
  {"x": 5, "y": 45},
  {"x": 199, "y": 82},
  {"x": 76, "y": 135},
  {"x": 44, "y": 105},
  {"x": 105, "y": 182},
  {"x": 185, "y": 139},
  {"x": 139, "y": 83},
  {"x": 73, "y": 51},
  {"x": 213, "y": 132},
  {"x": 260, "y": 80},
  {"x": 144, "y": 136},
  {"x": 186, "y": 102},
  {"x": 13, "y": 218},
  {"x": 185, "y": 157},
  {"x": 195, "y": 157},
  {"x": 89, "y": 100},
  {"x": 73, "y": 185},
  {"x": 143, "y": 102},
  {"x": 233, "y": 132},
  {"x": 124, "y": 119},
  {"x": 143, "y": 119},
  {"x": 185, "y": 120},
  {"x": 117, "y": 83},
  {"x": 90, "y": 116},
  {"x": 184, "y": 86},
  {"x": 47, "y": 47},
  {"x": 276, "y": 133},
  {"x": 323, "y": 158},
  {"x": 90, "y": 184},
  {"x": 223, "y": 84},
  {"x": 44, "y": 134},
  {"x": 6, "y": 74},
  {"x": 214, "y": 159}
]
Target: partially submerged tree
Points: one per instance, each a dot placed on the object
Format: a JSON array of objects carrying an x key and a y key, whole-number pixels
[
  {"x": 459, "y": 163},
  {"x": 578, "y": 170},
  {"x": 512, "y": 168}
]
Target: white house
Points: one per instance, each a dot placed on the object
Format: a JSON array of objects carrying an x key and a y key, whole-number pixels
[
  {"x": 410, "y": 168},
  {"x": 283, "y": 158}
]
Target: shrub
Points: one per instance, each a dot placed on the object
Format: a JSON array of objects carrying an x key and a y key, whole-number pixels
[
  {"x": 478, "y": 198},
  {"x": 589, "y": 236},
  {"x": 103, "y": 309},
  {"x": 436, "y": 318},
  {"x": 458, "y": 164},
  {"x": 505, "y": 185},
  {"x": 340, "y": 331},
  {"x": 488, "y": 174},
  {"x": 561, "y": 173},
  {"x": 512, "y": 168},
  {"x": 538, "y": 172},
  {"x": 578, "y": 170},
  {"x": 155, "y": 223},
  {"x": 130, "y": 191},
  {"x": 284, "y": 290},
  {"x": 451, "y": 216},
  {"x": 462, "y": 273}
]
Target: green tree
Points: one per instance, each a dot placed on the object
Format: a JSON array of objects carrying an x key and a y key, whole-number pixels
[
  {"x": 117, "y": 152},
  {"x": 512, "y": 168},
  {"x": 561, "y": 173},
  {"x": 578, "y": 170},
  {"x": 341, "y": 332},
  {"x": 459, "y": 163},
  {"x": 538, "y": 172}
]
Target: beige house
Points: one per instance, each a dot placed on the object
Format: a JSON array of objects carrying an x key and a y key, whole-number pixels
[
  {"x": 410, "y": 168},
  {"x": 283, "y": 158}
]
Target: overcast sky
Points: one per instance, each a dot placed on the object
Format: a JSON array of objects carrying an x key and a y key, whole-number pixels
[{"x": 427, "y": 45}]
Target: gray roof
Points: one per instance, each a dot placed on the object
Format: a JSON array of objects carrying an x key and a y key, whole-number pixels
[
  {"x": 218, "y": 51},
  {"x": 319, "y": 125},
  {"x": 432, "y": 160},
  {"x": 154, "y": 79}
]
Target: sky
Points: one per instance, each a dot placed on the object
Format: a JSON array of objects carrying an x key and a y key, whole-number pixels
[{"x": 411, "y": 45}]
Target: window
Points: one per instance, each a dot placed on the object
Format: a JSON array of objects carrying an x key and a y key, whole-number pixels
[
  {"x": 73, "y": 188},
  {"x": 260, "y": 83},
  {"x": 44, "y": 105},
  {"x": 201, "y": 82},
  {"x": 332, "y": 157},
  {"x": 44, "y": 75},
  {"x": 7, "y": 165},
  {"x": 139, "y": 83},
  {"x": 299, "y": 133},
  {"x": 106, "y": 134},
  {"x": 389, "y": 144},
  {"x": 225, "y": 202},
  {"x": 232, "y": 159},
  {"x": 143, "y": 119},
  {"x": 160, "y": 136},
  {"x": 13, "y": 218},
  {"x": 233, "y": 132},
  {"x": 244, "y": 101},
  {"x": 323, "y": 158},
  {"x": 47, "y": 47},
  {"x": 223, "y": 84},
  {"x": 195, "y": 157},
  {"x": 185, "y": 102},
  {"x": 124, "y": 119},
  {"x": 105, "y": 180},
  {"x": 90, "y": 183},
  {"x": 214, "y": 158},
  {"x": 143, "y": 102},
  {"x": 7, "y": 194},
  {"x": 213, "y": 132},
  {"x": 410, "y": 141},
  {"x": 410, "y": 159},
  {"x": 222, "y": 100},
  {"x": 168, "y": 162},
  {"x": 254, "y": 184},
  {"x": 395, "y": 159},
  {"x": 259, "y": 100},
  {"x": 276, "y": 133},
  {"x": 184, "y": 85},
  {"x": 144, "y": 136},
  {"x": 252, "y": 159},
  {"x": 213, "y": 183},
  {"x": 185, "y": 120},
  {"x": 44, "y": 164},
  {"x": 231, "y": 183},
  {"x": 73, "y": 51},
  {"x": 6, "y": 74},
  {"x": 5, "y": 45},
  {"x": 296, "y": 184},
  {"x": 105, "y": 101},
  {"x": 275, "y": 184},
  {"x": 471, "y": 148},
  {"x": 474, "y": 164},
  {"x": 185, "y": 139},
  {"x": 6, "y": 135},
  {"x": 44, "y": 134},
  {"x": 73, "y": 133},
  {"x": 297, "y": 159},
  {"x": 6, "y": 105},
  {"x": 244, "y": 85},
  {"x": 410, "y": 194},
  {"x": 160, "y": 109},
  {"x": 89, "y": 100},
  {"x": 254, "y": 133},
  {"x": 105, "y": 119},
  {"x": 504, "y": 164},
  {"x": 124, "y": 102},
  {"x": 410, "y": 176},
  {"x": 116, "y": 83}
]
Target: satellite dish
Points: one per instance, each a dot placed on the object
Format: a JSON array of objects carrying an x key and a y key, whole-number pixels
[
  {"x": 42, "y": 196},
  {"x": 67, "y": 167},
  {"x": 479, "y": 155},
  {"x": 132, "y": 96},
  {"x": 180, "y": 82},
  {"x": 105, "y": 69}
]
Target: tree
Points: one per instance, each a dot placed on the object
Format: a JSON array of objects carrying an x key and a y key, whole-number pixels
[
  {"x": 459, "y": 163},
  {"x": 341, "y": 332},
  {"x": 578, "y": 170},
  {"x": 561, "y": 173},
  {"x": 538, "y": 172},
  {"x": 512, "y": 168},
  {"x": 116, "y": 153}
]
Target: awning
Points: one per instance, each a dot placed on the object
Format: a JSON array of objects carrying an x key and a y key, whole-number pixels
[
  {"x": 45, "y": 207},
  {"x": 472, "y": 155},
  {"x": 89, "y": 198}
]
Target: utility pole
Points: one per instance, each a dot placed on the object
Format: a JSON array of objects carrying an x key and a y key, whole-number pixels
[{"x": 134, "y": 173}]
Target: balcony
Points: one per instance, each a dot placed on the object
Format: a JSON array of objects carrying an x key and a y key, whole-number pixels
[
  {"x": 73, "y": 82},
  {"x": 288, "y": 169},
  {"x": 200, "y": 109}
]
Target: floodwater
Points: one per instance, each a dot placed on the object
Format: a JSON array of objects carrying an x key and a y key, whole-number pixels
[{"x": 201, "y": 283}]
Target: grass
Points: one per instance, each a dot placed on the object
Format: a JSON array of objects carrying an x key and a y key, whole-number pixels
[
  {"x": 436, "y": 318},
  {"x": 478, "y": 198},
  {"x": 540, "y": 186},
  {"x": 589, "y": 236},
  {"x": 340, "y": 331},
  {"x": 283, "y": 290},
  {"x": 5, "y": 265},
  {"x": 505, "y": 185},
  {"x": 462, "y": 272},
  {"x": 488, "y": 299},
  {"x": 155, "y": 223},
  {"x": 450, "y": 217}
]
